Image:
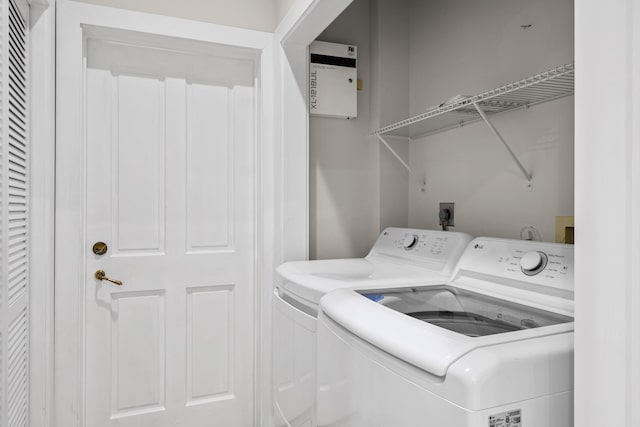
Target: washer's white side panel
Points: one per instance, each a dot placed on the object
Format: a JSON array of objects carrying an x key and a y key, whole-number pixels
[{"x": 360, "y": 386}]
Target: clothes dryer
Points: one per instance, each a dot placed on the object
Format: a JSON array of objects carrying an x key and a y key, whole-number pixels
[
  {"x": 399, "y": 256},
  {"x": 492, "y": 347}
]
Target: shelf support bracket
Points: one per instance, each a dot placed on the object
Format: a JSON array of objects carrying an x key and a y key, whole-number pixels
[
  {"x": 396, "y": 155},
  {"x": 526, "y": 174}
]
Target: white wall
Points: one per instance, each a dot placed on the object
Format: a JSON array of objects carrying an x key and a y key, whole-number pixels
[
  {"x": 261, "y": 15},
  {"x": 357, "y": 187},
  {"x": 389, "y": 103},
  {"x": 423, "y": 52},
  {"x": 282, "y": 7},
  {"x": 467, "y": 47},
  {"x": 343, "y": 160}
]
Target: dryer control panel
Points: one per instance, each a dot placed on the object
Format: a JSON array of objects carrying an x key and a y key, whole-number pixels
[{"x": 439, "y": 250}]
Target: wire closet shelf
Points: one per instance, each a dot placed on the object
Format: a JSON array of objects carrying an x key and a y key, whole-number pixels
[{"x": 544, "y": 87}]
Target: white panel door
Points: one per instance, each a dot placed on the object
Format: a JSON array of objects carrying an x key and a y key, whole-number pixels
[{"x": 170, "y": 186}]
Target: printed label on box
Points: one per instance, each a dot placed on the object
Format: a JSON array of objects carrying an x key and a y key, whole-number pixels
[{"x": 506, "y": 419}]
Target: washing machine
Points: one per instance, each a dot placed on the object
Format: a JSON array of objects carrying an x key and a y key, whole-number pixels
[
  {"x": 400, "y": 256},
  {"x": 491, "y": 347}
]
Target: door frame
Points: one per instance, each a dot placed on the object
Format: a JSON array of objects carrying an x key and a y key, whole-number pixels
[
  {"x": 69, "y": 362},
  {"x": 42, "y": 202},
  {"x": 607, "y": 176}
]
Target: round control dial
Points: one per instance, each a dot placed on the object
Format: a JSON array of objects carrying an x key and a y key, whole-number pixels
[
  {"x": 409, "y": 242},
  {"x": 533, "y": 262}
]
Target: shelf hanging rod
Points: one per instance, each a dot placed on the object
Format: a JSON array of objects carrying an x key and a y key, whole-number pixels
[
  {"x": 396, "y": 155},
  {"x": 497, "y": 134}
]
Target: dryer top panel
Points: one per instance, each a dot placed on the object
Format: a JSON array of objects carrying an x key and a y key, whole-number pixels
[{"x": 400, "y": 256}]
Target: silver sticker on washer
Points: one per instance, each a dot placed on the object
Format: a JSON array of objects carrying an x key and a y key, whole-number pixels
[{"x": 506, "y": 419}]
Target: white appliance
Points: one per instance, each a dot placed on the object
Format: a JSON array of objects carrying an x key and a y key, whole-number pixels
[
  {"x": 333, "y": 80},
  {"x": 399, "y": 256},
  {"x": 493, "y": 347}
]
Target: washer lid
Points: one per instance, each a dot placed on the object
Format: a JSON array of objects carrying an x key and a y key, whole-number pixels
[
  {"x": 311, "y": 280},
  {"x": 422, "y": 344}
]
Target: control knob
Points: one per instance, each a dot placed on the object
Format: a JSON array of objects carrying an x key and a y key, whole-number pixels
[
  {"x": 410, "y": 242},
  {"x": 533, "y": 262}
]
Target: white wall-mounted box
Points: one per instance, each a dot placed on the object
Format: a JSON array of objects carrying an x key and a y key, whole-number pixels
[{"x": 333, "y": 77}]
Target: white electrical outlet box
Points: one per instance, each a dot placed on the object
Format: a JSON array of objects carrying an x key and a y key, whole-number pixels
[{"x": 333, "y": 80}]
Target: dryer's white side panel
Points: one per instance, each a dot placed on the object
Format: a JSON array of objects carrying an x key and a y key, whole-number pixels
[{"x": 294, "y": 360}]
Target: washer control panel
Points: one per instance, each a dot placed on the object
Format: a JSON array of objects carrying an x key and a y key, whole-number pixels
[{"x": 548, "y": 264}]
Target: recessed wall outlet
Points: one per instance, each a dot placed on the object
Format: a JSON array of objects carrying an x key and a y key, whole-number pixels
[{"x": 446, "y": 214}]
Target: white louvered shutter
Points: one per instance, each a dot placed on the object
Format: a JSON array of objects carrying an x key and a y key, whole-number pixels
[{"x": 14, "y": 213}]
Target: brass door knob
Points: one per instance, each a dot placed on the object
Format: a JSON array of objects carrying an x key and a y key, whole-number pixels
[
  {"x": 100, "y": 248},
  {"x": 101, "y": 275}
]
